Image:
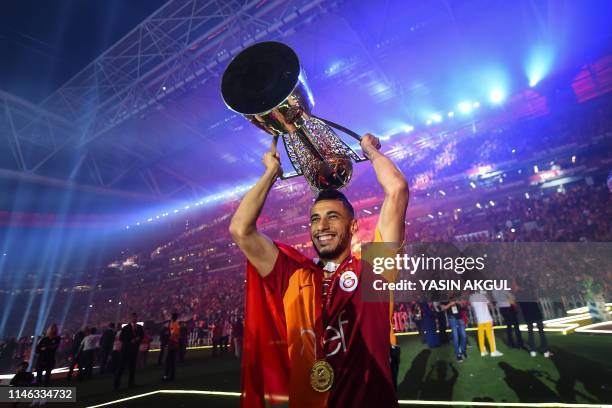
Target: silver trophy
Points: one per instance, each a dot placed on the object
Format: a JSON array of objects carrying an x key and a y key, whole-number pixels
[{"x": 266, "y": 84}]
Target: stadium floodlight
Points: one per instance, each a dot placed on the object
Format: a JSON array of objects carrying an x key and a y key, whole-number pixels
[
  {"x": 451, "y": 114},
  {"x": 497, "y": 96},
  {"x": 436, "y": 117},
  {"x": 465, "y": 107},
  {"x": 408, "y": 128},
  {"x": 476, "y": 104},
  {"x": 429, "y": 121},
  {"x": 538, "y": 64}
]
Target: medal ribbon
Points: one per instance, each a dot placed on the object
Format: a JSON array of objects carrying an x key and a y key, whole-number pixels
[{"x": 322, "y": 308}]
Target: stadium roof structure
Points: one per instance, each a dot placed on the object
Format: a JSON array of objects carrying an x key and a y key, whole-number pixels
[
  {"x": 144, "y": 122},
  {"x": 73, "y": 138}
]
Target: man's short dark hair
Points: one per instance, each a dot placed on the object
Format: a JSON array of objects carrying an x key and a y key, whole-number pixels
[
  {"x": 331, "y": 194},
  {"x": 174, "y": 316}
]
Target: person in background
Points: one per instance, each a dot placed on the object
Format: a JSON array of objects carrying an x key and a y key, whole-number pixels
[
  {"x": 217, "y": 334},
  {"x": 46, "y": 349},
  {"x": 418, "y": 320},
  {"x": 7, "y": 353},
  {"x": 453, "y": 309},
  {"x": 143, "y": 349},
  {"x": 183, "y": 341},
  {"x": 225, "y": 336},
  {"x": 173, "y": 346},
  {"x": 507, "y": 308},
  {"x": 90, "y": 346},
  {"x": 21, "y": 352},
  {"x": 532, "y": 313},
  {"x": 202, "y": 332},
  {"x": 27, "y": 350},
  {"x": 237, "y": 331},
  {"x": 116, "y": 354},
  {"x": 63, "y": 352},
  {"x": 480, "y": 305},
  {"x": 441, "y": 319},
  {"x": 76, "y": 351},
  {"x": 164, "y": 337},
  {"x": 131, "y": 334},
  {"x": 466, "y": 320},
  {"x": 429, "y": 325},
  {"x": 106, "y": 346},
  {"x": 401, "y": 319}
]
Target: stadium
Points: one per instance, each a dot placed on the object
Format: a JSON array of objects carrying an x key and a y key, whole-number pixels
[{"x": 124, "y": 170}]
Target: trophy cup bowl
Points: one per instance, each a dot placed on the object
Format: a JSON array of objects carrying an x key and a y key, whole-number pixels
[{"x": 266, "y": 84}]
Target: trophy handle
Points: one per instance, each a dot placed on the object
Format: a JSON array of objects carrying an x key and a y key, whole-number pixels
[
  {"x": 283, "y": 177},
  {"x": 341, "y": 128}
]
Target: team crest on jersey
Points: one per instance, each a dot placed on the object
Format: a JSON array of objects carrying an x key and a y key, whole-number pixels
[{"x": 348, "y": 281}]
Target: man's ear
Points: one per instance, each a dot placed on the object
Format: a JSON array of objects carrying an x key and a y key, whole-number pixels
[{"x": 354, "y": 226}]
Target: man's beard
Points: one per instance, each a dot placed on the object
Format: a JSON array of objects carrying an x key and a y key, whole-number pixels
[{"x": 331, "y": 253}]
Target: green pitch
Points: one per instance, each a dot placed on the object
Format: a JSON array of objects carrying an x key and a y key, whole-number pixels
[{"x": 580, "y": 371}]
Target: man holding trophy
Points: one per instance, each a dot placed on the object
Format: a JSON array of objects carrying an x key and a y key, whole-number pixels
[{"x": 310, "y": 339}]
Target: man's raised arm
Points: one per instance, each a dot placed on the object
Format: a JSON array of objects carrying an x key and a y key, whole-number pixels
[
  {"x": 393, "y": 211},
  {"x": 258, "y": 248}
]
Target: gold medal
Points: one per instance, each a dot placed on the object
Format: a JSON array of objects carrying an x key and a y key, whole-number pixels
[{"x": 321, "y": 376}]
